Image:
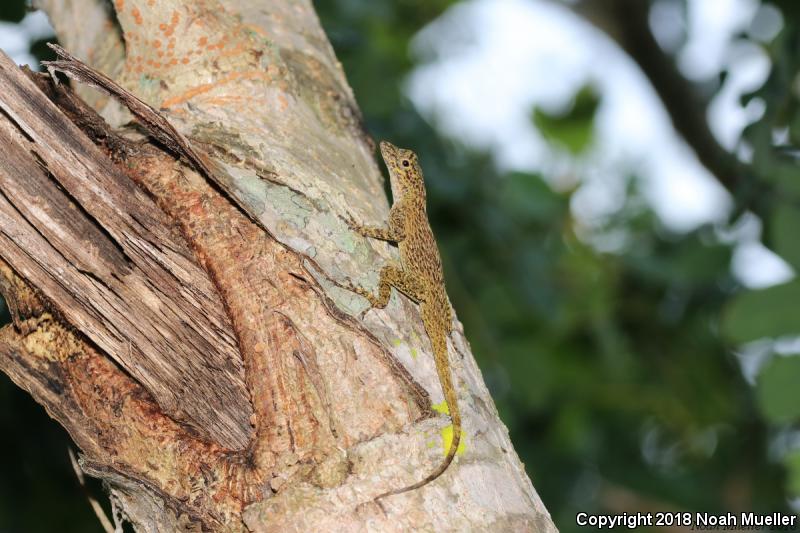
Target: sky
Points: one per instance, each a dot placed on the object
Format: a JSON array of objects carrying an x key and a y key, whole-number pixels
[
  {"x": 486, "y": 63},
  {"x": 16, "y": 39}
]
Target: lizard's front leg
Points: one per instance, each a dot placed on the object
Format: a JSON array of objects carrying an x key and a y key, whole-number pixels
[
  {"x": 392, "y": 276},
  {"x": 394, "y": 233},
  {"x": 373, "y": 232}
]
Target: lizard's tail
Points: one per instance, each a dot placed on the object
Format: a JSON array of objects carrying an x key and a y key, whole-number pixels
[{"x": 445, "y": 378}]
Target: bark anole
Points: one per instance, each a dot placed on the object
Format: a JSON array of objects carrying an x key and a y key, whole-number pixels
[{"x": 419, "y": 276}]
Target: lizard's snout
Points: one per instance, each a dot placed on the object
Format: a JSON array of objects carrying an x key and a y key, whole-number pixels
[{"x": 387, "y": 149}]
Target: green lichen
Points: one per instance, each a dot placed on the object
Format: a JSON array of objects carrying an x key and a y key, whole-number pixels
[{"x": 147, "y": 82}]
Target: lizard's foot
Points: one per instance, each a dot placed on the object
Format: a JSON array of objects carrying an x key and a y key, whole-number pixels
[
  {"x": 351, "y": 222},
  {"x": 373, "y": 300},
  {"x": 364, "y": 293}
]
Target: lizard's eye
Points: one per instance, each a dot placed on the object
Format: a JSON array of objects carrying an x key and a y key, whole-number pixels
[{"x": 406, "y": 163}]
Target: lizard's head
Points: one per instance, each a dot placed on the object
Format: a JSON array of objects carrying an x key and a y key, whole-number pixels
[{"x": 405, "y": 174}]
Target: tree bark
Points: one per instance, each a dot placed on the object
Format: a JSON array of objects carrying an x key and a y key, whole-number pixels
[{"x": 176, "y": 293}]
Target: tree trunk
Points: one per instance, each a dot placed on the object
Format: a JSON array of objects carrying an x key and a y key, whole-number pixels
[{"x": 176, "y": 293}]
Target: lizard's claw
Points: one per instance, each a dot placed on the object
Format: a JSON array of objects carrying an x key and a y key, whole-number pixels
[
  {"x": 351, "y": 222},
  {"x": 361, "y": 292},
  {"x": 358, "y": 290}
]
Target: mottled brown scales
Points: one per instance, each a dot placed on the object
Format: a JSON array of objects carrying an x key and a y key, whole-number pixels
[{"x": 419, "y": 276}]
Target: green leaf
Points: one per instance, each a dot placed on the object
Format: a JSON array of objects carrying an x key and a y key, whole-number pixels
[
  {"x": 528, "y": 197},
  {"x": 573, "y": 129},
  {"x": 777, "y": 390},
  {"x": 785, "y": 176},
  {"x": 785, "y": 225},
  {"x": 771, "y": 312},
  {"x": 792, "y": 463}
]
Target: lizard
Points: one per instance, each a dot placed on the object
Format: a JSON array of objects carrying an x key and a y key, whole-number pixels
[{"x": 419, "y": 276}]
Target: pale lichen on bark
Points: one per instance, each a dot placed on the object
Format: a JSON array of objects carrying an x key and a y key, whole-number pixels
[{"x": 340, "y": 407}]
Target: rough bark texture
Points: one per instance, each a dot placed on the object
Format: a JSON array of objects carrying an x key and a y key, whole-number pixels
[{"x": 188, "y": 328}]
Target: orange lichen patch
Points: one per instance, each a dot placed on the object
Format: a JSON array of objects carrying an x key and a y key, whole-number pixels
[
  {"x": 173, "y": 61},
  {"x": 236, "y": 50},
  {"x": 255, "y": 29},
  {"x": 273, "y": 70},
  {"x": 200, "y": 89},
  {"x": 227, "y": 101},
  {"x": 169, "y": 28},
  {"x": 151, "y": 3},
  {"x": 171, "y": 44},
  {"x": 160, "y": 53},
  {"x": 156, "y": 43},
  {"x": 221, "y": 43},
  {"x": 185, "y": 60},
  {"x": 202, "y": 41},
  {"x": 284, "y": 103},
  {"x": 119, "y": 5},
  {"x": 137, "y": 16}
]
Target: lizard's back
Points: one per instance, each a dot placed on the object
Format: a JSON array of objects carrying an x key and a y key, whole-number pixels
[
  {"x": 418, "y": 251},
  {"x": 420, "y": 256}
]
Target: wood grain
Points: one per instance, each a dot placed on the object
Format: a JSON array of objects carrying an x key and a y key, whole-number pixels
[{"x": 113, "y": 265}]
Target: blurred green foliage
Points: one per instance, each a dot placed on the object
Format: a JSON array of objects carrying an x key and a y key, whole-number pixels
[
  {"x": 573, "y": 129},
  {"x": 12, "y": 11},
  {"x": 785, "y": 221},
  {"x": 615, "y": 371},
  {"x": 777, "y": 390},
  {"x": 774, "y": 194},
  {"x": 765, "y": 313}
]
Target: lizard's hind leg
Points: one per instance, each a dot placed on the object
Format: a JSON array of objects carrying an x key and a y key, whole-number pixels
[{"x": 392, "y": 276}]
